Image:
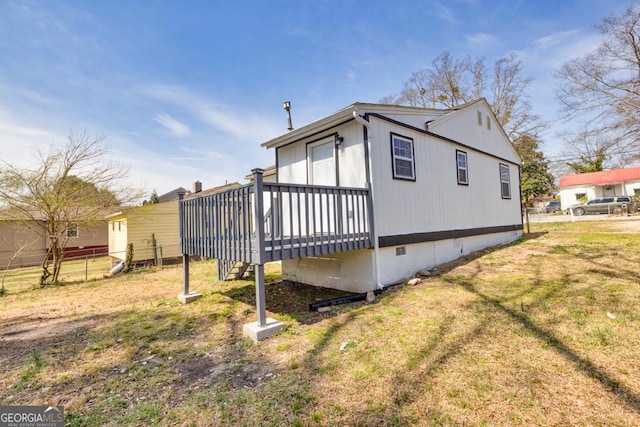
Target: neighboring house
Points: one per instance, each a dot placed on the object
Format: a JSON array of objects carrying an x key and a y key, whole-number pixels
[
  {"x": 368, "y": 196},
  {"x": 592, "y": 185},
  {"x": 173, "y": 194},
  {"x": 20, "y": 246},
  {"x": 269, "y": 175},
  {"x": 151, "y": 228}
]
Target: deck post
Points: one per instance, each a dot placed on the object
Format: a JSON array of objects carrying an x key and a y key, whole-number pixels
[
  {"x": 185, "y": 297},
  {"x": 264, "y": 327},
  {"x": 260, "y": 295},
  {"x": 372, "y": 232},
  {"x": 258, "y": 214}
]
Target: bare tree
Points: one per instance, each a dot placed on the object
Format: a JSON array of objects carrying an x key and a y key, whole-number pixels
[
  {"x": 71, "y": 186},
  {"x": 589, "y": 150},
  {"x": 603, "y": 88},
  {"x": 451, "y": 82}
]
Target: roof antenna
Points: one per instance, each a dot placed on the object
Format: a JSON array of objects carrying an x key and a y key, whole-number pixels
[{"x": 287, "y": 108}]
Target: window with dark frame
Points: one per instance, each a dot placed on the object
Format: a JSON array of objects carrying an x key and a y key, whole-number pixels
[
  {"x": 72, "y": 230},
  {"x": 402, "y": 157},
  {"x": 505, "y": 181},
  {"x": 461, "y": 164}
]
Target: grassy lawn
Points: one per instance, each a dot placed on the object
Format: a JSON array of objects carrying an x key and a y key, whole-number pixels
[
  {"x": 545, "y": 331},
  {"x": 76, "y": 270}
]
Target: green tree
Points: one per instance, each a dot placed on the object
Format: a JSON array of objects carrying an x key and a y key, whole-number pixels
[
  {"x": 588, "y": 164},
  {"x": 589, "y": 151},
  {"x": 154, "y": 197},
  {"x": 535, "y": 179},
  {"x": 70, "y": 186}
]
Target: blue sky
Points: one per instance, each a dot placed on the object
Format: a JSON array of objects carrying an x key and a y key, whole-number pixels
[{"x": 188, "y": 90}]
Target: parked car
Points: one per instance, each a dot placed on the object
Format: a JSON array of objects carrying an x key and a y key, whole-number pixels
[
  {"x": 553, "y": 206},
  {"x": 606, "y": 205}
]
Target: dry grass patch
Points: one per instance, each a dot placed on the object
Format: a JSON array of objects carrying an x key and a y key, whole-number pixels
[{"x": 541, "y": 332}]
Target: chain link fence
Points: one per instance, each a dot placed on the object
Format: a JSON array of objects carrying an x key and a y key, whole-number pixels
[{"x": 80, "y": 265}]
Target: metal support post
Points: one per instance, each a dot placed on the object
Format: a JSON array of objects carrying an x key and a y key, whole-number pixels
[
  {"x": 258, "y": 214},
  {"x": 185, "y": 274},
  {"x": 261, "y": 300},
  {"x": 186, "y": 296}
]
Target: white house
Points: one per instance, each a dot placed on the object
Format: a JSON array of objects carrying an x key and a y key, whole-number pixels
[
  {"x": 367, "y": 196},
  {"x": 593, "y": 185}
]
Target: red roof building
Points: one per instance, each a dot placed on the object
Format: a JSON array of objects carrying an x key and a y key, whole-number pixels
[
  {"x": 614, "y": 176},
  {"x": 592, "y": 185}
]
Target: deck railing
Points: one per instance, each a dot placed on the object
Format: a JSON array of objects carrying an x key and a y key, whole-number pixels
[{"x": 262, "y": 222}]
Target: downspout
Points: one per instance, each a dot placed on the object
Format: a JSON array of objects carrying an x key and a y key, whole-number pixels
[{"x": 369, "y": 184}]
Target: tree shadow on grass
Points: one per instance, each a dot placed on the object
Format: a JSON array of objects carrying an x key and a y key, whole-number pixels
[
  {"x": 615, "y": 388},
  {"x": 618, "y": 390},
  {"x": 598, "y": 256},
  {"x": 446, "y": 344},
  {"x": 102, "y": 367}
]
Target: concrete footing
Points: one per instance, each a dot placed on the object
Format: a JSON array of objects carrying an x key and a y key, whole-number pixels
[
  {"x": 258, "y": 333},
  {"x": 190, "y": 297}
]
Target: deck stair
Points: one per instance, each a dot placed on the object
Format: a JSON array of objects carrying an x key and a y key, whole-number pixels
[{"x": 232, "y": 270}]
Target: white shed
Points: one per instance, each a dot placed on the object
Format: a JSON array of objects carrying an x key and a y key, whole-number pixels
[
  {"x": 368, "y": 196},
  {"x": 443, "y": 184}
]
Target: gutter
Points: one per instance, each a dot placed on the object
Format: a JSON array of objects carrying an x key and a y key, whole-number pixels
[
  {"x": 376, "y": 247},
  {"x": 114, "y": 215}
]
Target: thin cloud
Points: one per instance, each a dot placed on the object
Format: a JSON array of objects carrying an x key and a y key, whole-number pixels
[
  {"x": 218, "y": 116},
  {"x": 176, "y": 128},
  {"x": 553, "y": 50},
  {"x": 555, "y": 39},
  {"x": 21, "y": 130},
  {"x": 445, "y": 13},
  {"x": 202, "y": 154},
  {"x": 480, "y": 39}
]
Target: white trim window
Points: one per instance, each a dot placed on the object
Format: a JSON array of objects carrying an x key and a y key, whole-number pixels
[
  {"x": 402, "y": 157},
  {"x": 461, "y": 166},
  {"x": 72, "y": 230},
  {"x": 505, "y": 181}
]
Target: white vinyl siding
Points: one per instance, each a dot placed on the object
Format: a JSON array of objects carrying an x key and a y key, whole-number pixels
[
  {"x": 462, "y": 168},
  {"x": 437, "y": 202},
  {"x": 505, "y": 181},
  {"x": 402, "y": 157},
  {"x": 462, "y": 126}
]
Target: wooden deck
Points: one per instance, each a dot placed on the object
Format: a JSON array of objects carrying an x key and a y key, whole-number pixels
[{"x": 263, "y": 222}]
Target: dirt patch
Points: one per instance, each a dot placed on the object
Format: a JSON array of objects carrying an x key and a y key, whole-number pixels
[{"x": 41, "y": 328}]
